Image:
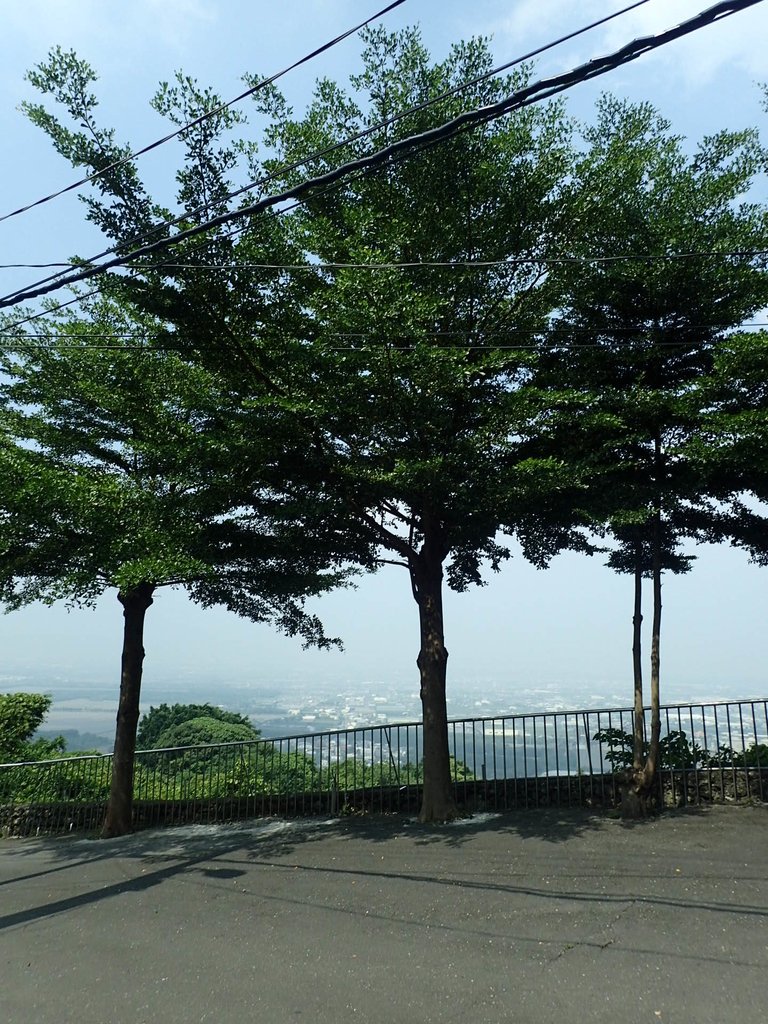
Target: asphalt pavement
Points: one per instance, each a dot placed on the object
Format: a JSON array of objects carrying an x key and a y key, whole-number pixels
[{"x": 520, "y": 918}]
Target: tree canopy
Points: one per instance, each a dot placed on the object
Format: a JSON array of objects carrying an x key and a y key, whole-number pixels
[
  {"x": 117, "y": 474},
  {"x": 158, "y": 722}
]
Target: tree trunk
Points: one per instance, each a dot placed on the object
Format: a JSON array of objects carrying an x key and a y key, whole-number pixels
[
  {"x": 118, "y": 820},
  {"x": 634, "y": 802},
  {"x": 638, "y": 743},
  {"x": 438, "y": 801},
  {"x": 639, "y": 796},
  {"x": 653, "y": 748}
]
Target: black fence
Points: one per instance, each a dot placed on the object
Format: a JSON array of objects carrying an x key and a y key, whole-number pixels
[{"x": 709, "y": 752}]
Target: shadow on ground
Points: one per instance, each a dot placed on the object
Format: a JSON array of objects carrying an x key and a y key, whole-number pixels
[{"x": 225, "y": 853}]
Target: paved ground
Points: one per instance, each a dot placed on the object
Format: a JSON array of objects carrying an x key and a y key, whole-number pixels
[{"x": 527, "y": 917}]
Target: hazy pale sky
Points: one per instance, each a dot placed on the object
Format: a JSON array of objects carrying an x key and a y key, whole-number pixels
[{"x": 569, "y": 625}]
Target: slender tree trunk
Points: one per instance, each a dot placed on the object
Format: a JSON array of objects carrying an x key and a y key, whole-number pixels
[
  {"x": 638, "y": 799},
  {"x": 438, "y": 801},
  {"x": 633, "y": 798},
  {"x": 638, "y": 744},
  {"x": 652, "y": 761},
  {"x": 118, "y": 819}
]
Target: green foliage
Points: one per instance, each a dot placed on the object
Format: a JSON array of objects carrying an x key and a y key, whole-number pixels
[
  {"x": 161, "y": 719},
  {"x": 236, "y": 766},
  {"x": 68, "y": 79},
  {"x": 266, "y": 769},
  {"x": 420, "y": 411},
  {"x": 676, "y": 751},
  {"x": 754, "y": 756},
  {"x": 68, "y": 778},
  {"x": 619, "y": 744},
  {"x": 197, "y": 734},
  {"x": 21, "y": 714},
  {"x": 460, "y": 772},
  {"x": 425, "y": 409},
  {"x": 356, "y": 773},
  {"x": 632, "y": 385},
  {"x": 44, "y": 748}
]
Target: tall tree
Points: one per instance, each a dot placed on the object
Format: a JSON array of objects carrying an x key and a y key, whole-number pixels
[
  {"x": 115, "y": 477},
  {"x": 426, "y": 271},
  {"x": 668, "y": 262},
  {"x": 397, "y": 406}
]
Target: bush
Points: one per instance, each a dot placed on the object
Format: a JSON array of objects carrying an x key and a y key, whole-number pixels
[
  {"x": 266, "y": 770},
  {"x": 675, "y": 750},
  {"x": 20, "y": 716},
  {"x": 70, "y": 778},
  {"x": 202, "y": 730},
  {"x": 160, "y": 720}
]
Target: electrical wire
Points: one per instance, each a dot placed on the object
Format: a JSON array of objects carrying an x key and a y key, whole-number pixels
[
  {"x": 198, "y": 120},
  {"x": 55, "y": 344},
  {"x": 320, "y": 154},
  {"x": 480, "y": 264},
  {"x": 539, "y": 90},
  {"x": 442, "y": 264},
  {"x": 467, "y": 264}
]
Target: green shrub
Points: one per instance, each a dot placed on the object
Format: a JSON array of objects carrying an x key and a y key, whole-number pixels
[{"x": 676, "y": 751}]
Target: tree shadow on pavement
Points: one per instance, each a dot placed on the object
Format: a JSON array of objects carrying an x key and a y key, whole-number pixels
[{"x": 221, "y": 854}]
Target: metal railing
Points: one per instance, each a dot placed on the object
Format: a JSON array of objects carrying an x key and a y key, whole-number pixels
[{"x": 710, "y": 752}]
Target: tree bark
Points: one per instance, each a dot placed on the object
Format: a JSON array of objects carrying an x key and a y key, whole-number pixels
[
  {"x": 634, "y": 802},
  {"x": 638, "y": 742},
  {"x": 118, "y": 820},
  {"x": 638, "y": 798},
  {"x": 653, "y": 747},
  {"x": 438, "y": 800}
]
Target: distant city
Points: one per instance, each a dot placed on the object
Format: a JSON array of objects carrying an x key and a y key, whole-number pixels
[{"x": 84, "y": 711}]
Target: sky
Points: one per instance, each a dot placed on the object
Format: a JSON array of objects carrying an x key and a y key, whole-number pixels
[{"x": 567, "y": 627}]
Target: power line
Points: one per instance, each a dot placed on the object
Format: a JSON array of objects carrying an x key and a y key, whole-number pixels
[
  {"x": 441, "y": 264},
  {"x": 55, "y": 309},
  {"x": 319, "y": 154},
  {"x": 542, "y": 89},
  {"x": 198, "y": 120},
  {"x": 437, "y": 264},
  {"x": 69, "y": 334},
  {"x": 470, "y": 264},
  {"x": 466, "y": 264},
  {"x": 35, "y": 266},
  {"x": 383, "y": 342}
]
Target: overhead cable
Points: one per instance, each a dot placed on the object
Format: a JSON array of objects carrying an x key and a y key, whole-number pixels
[
  {"x": 467, "y": 264},
  {"x": 533, "y": 93},
  {"x": 73, "y": 340},
  {"x": 441, "y": 264},
  {"x": 371, "y": 129},
  {"x": 203, "y": 117}
]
